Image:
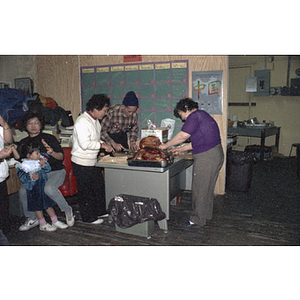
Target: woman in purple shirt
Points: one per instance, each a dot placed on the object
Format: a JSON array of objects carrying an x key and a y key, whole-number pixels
[{"x": 208, "y": 156}]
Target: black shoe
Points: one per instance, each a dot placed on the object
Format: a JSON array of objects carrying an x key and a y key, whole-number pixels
[{"x": 187, "y": 224}]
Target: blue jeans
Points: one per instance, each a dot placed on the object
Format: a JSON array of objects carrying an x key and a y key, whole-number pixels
[{"x": 55, "y": 180}]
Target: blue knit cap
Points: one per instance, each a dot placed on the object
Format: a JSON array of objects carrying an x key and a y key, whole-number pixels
[{"x": 131, "y": 99}]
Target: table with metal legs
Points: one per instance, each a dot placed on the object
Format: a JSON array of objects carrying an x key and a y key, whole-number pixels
[
  {"x": 260, "y": 132},
  {"x": 162, "y": 184}
]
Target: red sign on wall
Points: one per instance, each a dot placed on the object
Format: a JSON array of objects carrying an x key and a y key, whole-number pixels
[{"x": 132, "y": 58}]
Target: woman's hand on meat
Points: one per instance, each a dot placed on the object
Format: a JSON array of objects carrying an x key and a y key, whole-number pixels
[
  {"x": 134, "y": 146},
  {"x": 175, "y": 150},
  {"x": 107, "y": 148},
  {"x": 163, "y": 146},
  {"x": 117, "y": 147}
]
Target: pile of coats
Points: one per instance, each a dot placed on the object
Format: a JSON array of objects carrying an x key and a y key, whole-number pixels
[{"x": 14, "y": 105}]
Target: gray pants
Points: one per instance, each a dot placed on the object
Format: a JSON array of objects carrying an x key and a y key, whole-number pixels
[
  {"x": 55, "y": 180},
  {"x": 206, "y": 169}
]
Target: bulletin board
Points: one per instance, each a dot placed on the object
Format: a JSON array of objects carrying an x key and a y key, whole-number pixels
[{"x": 158, "y": 85}]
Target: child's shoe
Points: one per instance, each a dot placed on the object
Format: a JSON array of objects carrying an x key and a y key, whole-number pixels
[
  {"x": 60, "y": 225},
  {"x": 47, "y": 227}
]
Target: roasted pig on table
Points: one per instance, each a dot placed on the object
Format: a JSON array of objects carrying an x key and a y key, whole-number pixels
[
  {"x": 150, "y": 141},
  {"x": 150, "y": 151}
]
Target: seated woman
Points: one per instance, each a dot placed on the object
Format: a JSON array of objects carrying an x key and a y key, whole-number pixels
[{"x": 51, "y": 149}]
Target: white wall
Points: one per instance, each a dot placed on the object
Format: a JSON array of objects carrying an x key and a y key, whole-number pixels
[{"x": 283, "y": 110}]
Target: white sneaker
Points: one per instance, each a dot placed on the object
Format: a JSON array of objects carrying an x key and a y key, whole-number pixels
[
  {"x": 98, "y": 221},
  {"x": 70, "y": 218},
  {"x": 47, "y": 227},
  {"x": 103, "y": 216},
  {"x": 60, "y": 225},
  {"x": 29, "y": 224}
]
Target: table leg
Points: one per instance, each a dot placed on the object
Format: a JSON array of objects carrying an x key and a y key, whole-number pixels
[
  {"x": 277, "y": 139},
  {"x": 262, "y": 144},
  {"x": 163, "y": 224}
]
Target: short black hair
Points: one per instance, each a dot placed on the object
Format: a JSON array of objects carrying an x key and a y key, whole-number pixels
[
  {"x": 184, "y": 105},
  {"x": 28, "y": 148},
  {"x": 30, "y": 115},
  {"x": 98, "y": 101}
]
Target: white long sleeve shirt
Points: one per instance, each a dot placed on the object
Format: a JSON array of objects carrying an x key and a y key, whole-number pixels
[{"x": 86, "y": 140}]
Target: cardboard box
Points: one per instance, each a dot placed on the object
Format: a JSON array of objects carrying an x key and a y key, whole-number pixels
[{"x": 160, "y": 132}]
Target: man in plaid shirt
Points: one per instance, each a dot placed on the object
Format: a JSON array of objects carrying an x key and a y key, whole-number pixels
[{"x": 120, "y": 119}]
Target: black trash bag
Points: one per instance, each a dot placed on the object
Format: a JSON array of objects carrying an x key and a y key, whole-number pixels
[
  {"x": 240, "y": 157},
  {"x": 128, "y": 210},
  {"x": 239, "y": 170}
]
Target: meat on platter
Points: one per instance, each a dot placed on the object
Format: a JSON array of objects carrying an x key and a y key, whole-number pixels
[
  {"x": 150, "y": 141},
  {"x": 150, "y": 151}
]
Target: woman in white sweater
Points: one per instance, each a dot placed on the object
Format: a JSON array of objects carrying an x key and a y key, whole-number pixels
[
  {"x": 86, "y": 146},
  {"x": 5, "y": 152}
]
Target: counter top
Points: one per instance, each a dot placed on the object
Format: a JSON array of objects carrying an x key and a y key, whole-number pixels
[
  {"x": 253, "y": 131},
  {"x": 177, "y": 162}
]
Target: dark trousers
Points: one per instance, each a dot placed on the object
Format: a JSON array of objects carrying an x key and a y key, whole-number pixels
[
  {"x": 91, "y": 191},
  {"x": 4, "y": 207}
]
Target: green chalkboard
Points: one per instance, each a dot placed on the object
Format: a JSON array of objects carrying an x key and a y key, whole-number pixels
[
  {"x": 158, "y": 85},
  {"x": 178, "y": 75},
  {"x": 146, "y": 76},
  {"x": 102, "y": 78},
  {"x": 88, "y": 78},
  {"x": 163, "y": 104},
  {"x": 131, "y": 77},
  {"x": 146, "y": 91},
  {"x": 147, "y": 104},
  {"x": 163, "y": 90}
]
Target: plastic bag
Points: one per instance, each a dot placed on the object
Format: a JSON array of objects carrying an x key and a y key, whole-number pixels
[
  {"x": 240, "y": 157},
  {"x": 170, "y": 124},
  {"x": 151, "y": 126},
  {"x": 128, "y": 210}
]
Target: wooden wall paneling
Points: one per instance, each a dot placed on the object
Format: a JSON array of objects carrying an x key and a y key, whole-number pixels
[{"x": 59, "y": 78}]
